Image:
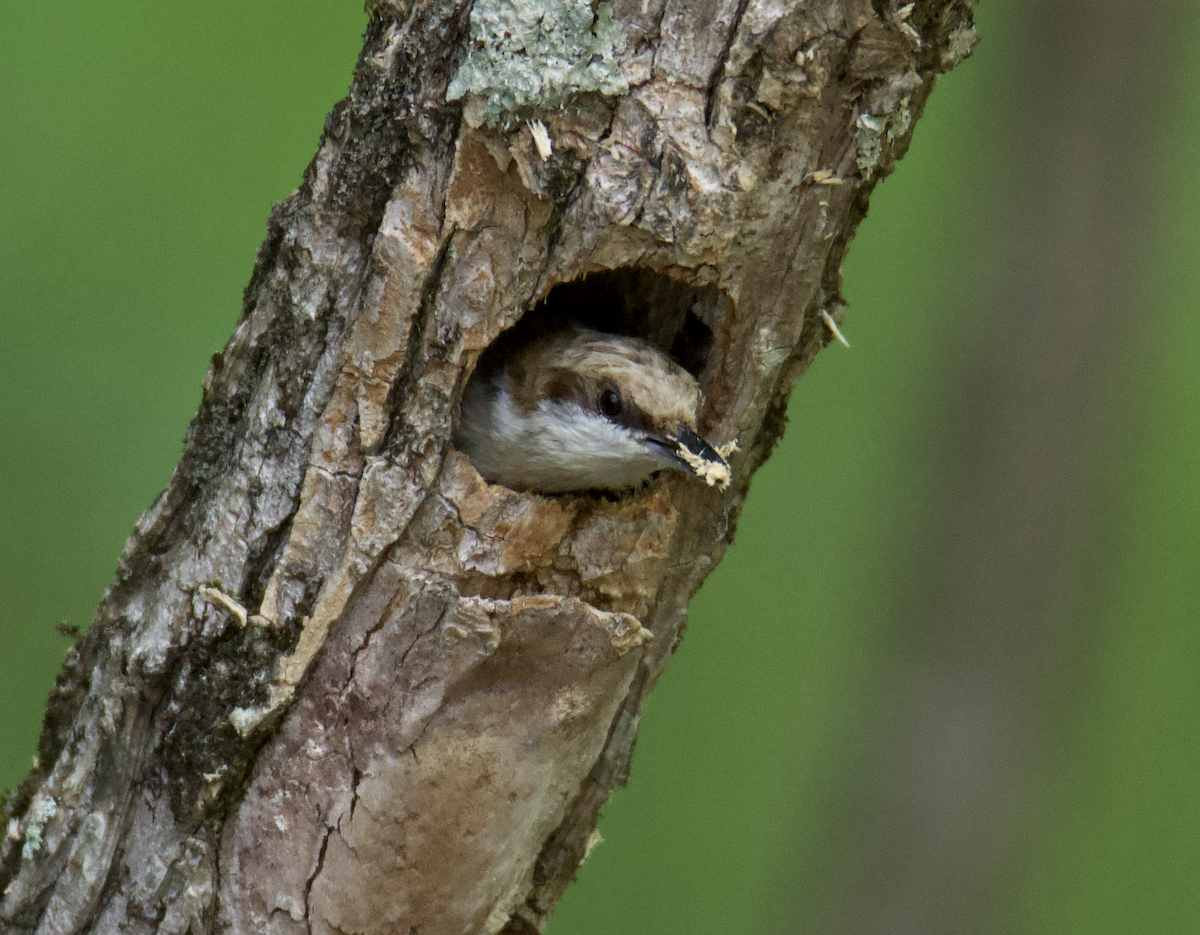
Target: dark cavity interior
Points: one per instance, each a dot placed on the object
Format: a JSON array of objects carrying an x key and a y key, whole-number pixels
[{"x": 679, "y": 318}]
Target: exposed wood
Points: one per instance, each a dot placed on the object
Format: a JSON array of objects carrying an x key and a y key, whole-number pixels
[{"x": 438, "y": 681}]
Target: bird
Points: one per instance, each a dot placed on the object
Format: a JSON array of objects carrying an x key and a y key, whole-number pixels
[{"x": 581, "y": 410}]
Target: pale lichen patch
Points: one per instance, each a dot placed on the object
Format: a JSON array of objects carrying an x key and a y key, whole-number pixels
[
  {"x": 626, "y": 632},
  {"x": 42, "y": 810},
  {"x": 533, "y": 53}
]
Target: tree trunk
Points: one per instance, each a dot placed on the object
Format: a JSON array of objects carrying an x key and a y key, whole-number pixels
[{"x": 439, "y": 681}]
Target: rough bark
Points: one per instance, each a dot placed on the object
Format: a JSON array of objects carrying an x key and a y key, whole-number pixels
[{"x": 440, "y": 680}]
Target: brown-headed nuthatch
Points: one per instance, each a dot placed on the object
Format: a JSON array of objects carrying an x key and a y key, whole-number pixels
[{"x": 581, "y": 410}]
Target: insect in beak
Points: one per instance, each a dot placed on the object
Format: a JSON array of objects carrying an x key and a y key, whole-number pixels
[{"x": 696, "y": 456}]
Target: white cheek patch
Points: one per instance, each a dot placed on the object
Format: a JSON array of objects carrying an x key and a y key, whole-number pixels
[{"x": 560, "y": 447}]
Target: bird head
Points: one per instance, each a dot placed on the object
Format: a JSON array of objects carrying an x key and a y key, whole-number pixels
[{"x": 584, "y": 410}]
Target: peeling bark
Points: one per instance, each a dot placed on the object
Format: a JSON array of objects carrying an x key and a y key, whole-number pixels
[{"x": 437, "y": 681}]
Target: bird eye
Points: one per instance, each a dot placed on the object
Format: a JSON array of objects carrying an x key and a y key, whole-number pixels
[{"x": 609, "y": 402}]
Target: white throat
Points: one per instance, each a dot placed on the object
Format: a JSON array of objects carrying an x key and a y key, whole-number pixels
[{"x": 556, "y": 448}]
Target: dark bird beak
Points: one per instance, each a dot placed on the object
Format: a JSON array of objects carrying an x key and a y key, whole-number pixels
[{"x": 696, "y": 456}]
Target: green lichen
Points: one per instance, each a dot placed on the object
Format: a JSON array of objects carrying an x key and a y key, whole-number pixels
[
  {"x": 959, "y": 44},
  {"x": 41, "y": 813},
  {"x": 873, "y": 131},
  {"x": 534, "y": 53}
]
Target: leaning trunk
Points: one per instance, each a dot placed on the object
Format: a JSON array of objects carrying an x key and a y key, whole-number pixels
[{"x": 341, "y": 683}]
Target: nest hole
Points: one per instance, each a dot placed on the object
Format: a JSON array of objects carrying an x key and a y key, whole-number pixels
[{"x": 679, "y": 318}]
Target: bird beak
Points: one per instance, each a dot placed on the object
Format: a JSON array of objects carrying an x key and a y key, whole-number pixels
[{"x": 696, "y": 456}]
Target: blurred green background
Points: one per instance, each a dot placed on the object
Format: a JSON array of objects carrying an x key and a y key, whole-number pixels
[{"x": 948, "y": 676}]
